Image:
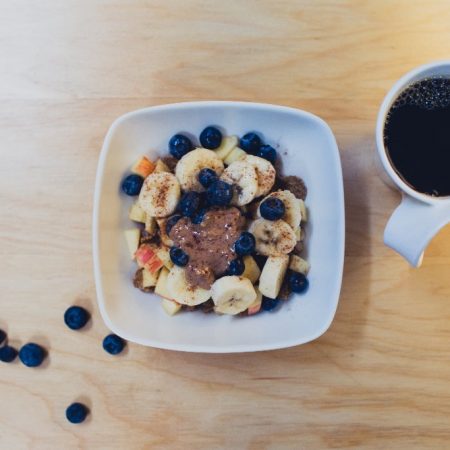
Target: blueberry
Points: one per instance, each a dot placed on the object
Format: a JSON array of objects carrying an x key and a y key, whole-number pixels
[
  {"x": 272, "y": 208},
  {"x": 7, "y": 354},
  {"x": 76, "y": 317},
  {"x": 178, "y": 257},
  {"x": 245, "y": 245},
  {"x": 268, "y": 304},
  {"x": 298, "y": 282},
  {"x": 171, "y": 221},
  {"x": 198, "y": 217},
  {"x": 179, "y": 145},
  {"x": 132, "y": 184},
  {"x": 189, "y": 203},
  {"x": 219, "y": 193},
  {"x": 250, "y": 143},
  {"x": 203, "y": 199},
  {"x": 207, "y": 176},
  {"x": 236, "y": 267},
  {"x": 267, "y": 152},
  {"x": 76, "y": 413},
  {"x": 32, "y": 354},
  {"x": 210, "y": 138},
  {"x": 2, "y": 336},
  {"x": 113, "y": 344}
]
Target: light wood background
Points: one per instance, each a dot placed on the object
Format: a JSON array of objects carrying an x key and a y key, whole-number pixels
[{"x": 378, "y": 379}]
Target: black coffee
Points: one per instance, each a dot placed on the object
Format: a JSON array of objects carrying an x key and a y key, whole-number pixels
[{"x": 417, "y": 136}]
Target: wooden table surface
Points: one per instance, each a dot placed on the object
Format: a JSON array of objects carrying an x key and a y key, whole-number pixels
[{"x": 378, "y": 379}]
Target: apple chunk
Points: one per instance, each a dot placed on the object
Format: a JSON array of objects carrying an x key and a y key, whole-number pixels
[
  {"x": 143, "y": 167},
  {"x": 137, "y": 214},
  {"x": 149, "y": 279},
  {"x": 161, "y": 166},
  {"x": 132, "y": 237},
  {"x": 251, "y": 271},
  {"x": 170, "y": 307},
  {"x": 161, "y": 284},
  {"x": 147, "y": 258},
  {"x": 164, "y": 256},
  {"x": 256, "y": 305},
  {"x": 298, "y": 264}
]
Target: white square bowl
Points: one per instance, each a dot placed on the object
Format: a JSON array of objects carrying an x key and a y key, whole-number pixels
[{"x": 307, "y": 148}]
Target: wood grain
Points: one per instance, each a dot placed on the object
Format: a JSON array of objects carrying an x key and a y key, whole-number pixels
[{"x": 379, "y": 378}]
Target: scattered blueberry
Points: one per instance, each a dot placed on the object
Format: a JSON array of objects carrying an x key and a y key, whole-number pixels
[
  {"x": 113, "y": 344},
  {"x": 207, "y": 176},
  {"x": 2, "y": 336},
  {"x": 32, "y": 354},
  {"x": 132, "y": 184},
  {"x": 76, "y": 413},
  {"x": 210, "y": 138},
  {"x": 198, "y": 216},
  {"x": 7, "y": 354},
  {"x": 298, "y": 282},
  {"x": 171, "y": 221},
  {"x": 219, "y": 193},
  {"x": 272, "y": 208},
  {"x": 245, "y": 245},
  {"x": 267, "y": 152},
  {"x": 236, "y": 267},
  {"x": 250, "y": 143},
  {"x": 76, "y": 317},
  {"x": 268, "y": 304},
  {"x": 178, "y": 257},
  {"x": 189, "y": 203},
  {"x": 179, "y": 145}
]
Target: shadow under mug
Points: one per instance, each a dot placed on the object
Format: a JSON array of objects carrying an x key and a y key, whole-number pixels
[{"x": 419, "y": 216}]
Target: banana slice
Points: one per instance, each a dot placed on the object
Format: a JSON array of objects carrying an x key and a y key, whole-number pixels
[
  {"x": 160, "y": 194},
  {"x": 232, "y": 294},
  {"x": 243, "y": 176},
  {"x": 265, "y": 172},
  {"x": 228, "y": 144},
  {"x": 293, "y": 215},
  {"x": 181, "y": 292},
  {"x": 190, "y": 165},
  {"x": 273, "y": 238},
  {"x": 272, "y": 275},
  {"x": 235, "y": 155}
]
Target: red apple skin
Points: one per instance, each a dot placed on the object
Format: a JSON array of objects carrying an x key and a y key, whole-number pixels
[
  {"x": 146, "y": 257},
  {"x": 154, "y": 264},
  {"x": 143, "y": 254},
  {"x": 254, "y": 309},
  {"x": 143, "y": 167}
]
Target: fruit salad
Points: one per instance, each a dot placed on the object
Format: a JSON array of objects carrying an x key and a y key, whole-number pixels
[{"x": 217, "y": 226}]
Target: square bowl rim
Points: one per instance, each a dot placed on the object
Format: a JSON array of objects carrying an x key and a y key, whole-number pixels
[{"x": 205, "y": 348}]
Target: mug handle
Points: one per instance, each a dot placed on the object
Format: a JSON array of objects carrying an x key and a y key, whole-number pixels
[{"x": 411, "y": 227}]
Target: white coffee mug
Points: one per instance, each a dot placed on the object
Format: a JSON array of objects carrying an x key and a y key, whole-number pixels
[{"x": 419, "y": 216}]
